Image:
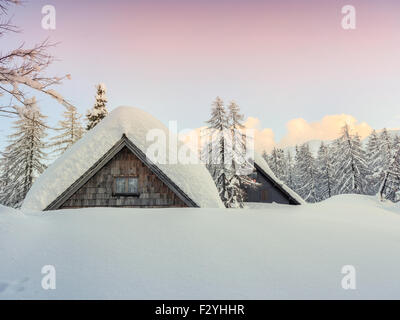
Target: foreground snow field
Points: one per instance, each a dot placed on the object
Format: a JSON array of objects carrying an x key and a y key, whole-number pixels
[{"x": 268, "y": 251}]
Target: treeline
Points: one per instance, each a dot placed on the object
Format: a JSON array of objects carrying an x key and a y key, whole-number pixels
[
  {"x": 343, "y": 166},
  {"x": 28, "y": 150}
]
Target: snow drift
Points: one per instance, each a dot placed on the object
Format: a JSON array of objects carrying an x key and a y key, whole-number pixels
[
  {"x": 275, "y": 251},
  {"x": 193, "y": 179}
]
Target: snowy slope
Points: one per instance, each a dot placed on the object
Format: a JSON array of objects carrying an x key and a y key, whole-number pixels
[
  {"x": 193, "y": 179},
  {"x": 274, "y": 251}
]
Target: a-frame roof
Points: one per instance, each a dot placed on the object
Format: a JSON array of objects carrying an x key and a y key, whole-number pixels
[
  {"x": 261, "y": 166},
  {"x": 124, "y": 142},
  {"x": 190, "y": 181}
]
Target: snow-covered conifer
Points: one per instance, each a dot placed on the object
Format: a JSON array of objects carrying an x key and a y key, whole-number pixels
[
  {"x": 70, "y": 129},
  {"x": 396, "y": 144},
  {"x": 5, "y": 180},
  {"x": 390, "y": 188},
  {"x": 351, "y": 168},
  {"x": 306, "y": 173},
  {"x": 290, "y": 178},
  {"x": 218, "y": 127},
  {"x": 325, "y": 172},
  {"x": 386, "y": 146},
  {"x": 25, "y": 153},
  {"x": 374, "y": 158},
  {"x": 277, "y": 163},
  {"x": 238, "y": 165},
  {"x": 99, "y": 111}
]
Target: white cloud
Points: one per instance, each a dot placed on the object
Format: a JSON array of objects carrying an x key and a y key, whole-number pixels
[
  {"x": 328, "y": 128},
  {"x": 264, "y": 138},
  {"x": 298, "y": 131}
]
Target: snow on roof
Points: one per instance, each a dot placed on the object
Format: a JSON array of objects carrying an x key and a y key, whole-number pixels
[
  {"x": 260, "y": 161},
  {"x": 192, "y": 179}
]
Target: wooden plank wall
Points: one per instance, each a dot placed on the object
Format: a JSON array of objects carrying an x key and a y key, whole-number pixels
[
  {"x": 266, "y": 192},
  {"x": 98, "y": 191}
]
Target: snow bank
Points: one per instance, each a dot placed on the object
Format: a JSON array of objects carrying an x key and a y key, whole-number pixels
[
  {"x": 277, "y": 251},
  {"x": 194, "y": 180},
  {"x": 260, "y": 161}
]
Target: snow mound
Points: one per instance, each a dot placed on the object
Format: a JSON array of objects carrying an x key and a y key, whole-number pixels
[
  {"x": 6, "y": 210},
  {"x": 260, "y": 161},
  {"x": 278, "y": 252},
  {"x": 193, "y": 179}
]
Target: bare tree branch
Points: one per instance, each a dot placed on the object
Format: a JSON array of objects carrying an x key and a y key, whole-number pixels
[{"x": 23, "y": 68}]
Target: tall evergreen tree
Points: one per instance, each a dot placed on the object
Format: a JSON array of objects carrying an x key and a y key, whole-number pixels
[
  {"x": 374, "y": 157},
  {"x": 391, "y": 184},
  {"x": 99, "y": 111},
  {"x": 70, "y": 129},
  {"x": 240, "y": 167},
  {"x": 386, "y": 146},
  {"x": 351, "y": 168},
  {"x": 218, "y": 127},
  {"x": 306, "y": 172},
  {"x": 277, "y": 163},
  {"x": 25, "y": 153},
  {"x": 5, "y": 180},
  {"x": 290, "y": 178},
  {"x": 325, "y": 173},
  {"x": 396, "y": 144}
]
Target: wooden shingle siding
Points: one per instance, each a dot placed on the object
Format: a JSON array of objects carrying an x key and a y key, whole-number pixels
[{"x": 98, "y": 190}]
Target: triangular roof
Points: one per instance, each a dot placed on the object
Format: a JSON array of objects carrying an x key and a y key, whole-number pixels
[
  {"x": 124, "y": 126},
  {"x": 122, "y": 143},
  {"x": 262, "y": 166}
]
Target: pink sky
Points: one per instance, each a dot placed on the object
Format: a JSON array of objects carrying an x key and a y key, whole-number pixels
[{"x": 280, "y": 60}]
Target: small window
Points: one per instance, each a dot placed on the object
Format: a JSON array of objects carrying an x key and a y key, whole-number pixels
[
  {"x": 127, "y": 186},
  {"x": 132, "y": 185},
  {"x": 120, "y": 185}
]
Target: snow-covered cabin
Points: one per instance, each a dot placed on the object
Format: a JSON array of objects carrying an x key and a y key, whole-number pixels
[
  {"x": 109, "y": 167},
  {"x": 270, "y": 188}
]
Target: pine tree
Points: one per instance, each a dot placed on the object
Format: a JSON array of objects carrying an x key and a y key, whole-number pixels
[
  {"x": 325, "y": 171},
  {"x": 240, "y": 167},
  {"x": 218, "y": 127},
  {"x": 99, "y": 111},
  {"x": 351, "y": 168},
  {"x": 306, "y": 172},
  {"x": 277, "y": 163},
  {"x": 375, "y": 163},
  {"x": 296, "y": 181},
  {"x": 25, "y": 153},
  {"x": 71, "y": 131},
  {"x": 390, "y": 188},
  {"x": 395, "y": 145},
  {"x": 290, "y": 179},
  {"x": 5, "y": 180},
  {"x": 391, "y": 185},
  {"x": 386, "y": 146}
]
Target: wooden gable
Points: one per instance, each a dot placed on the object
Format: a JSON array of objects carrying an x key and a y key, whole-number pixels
[
  {"x": 268, "y": 190},
  {"x": 96, "y": 188}
]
